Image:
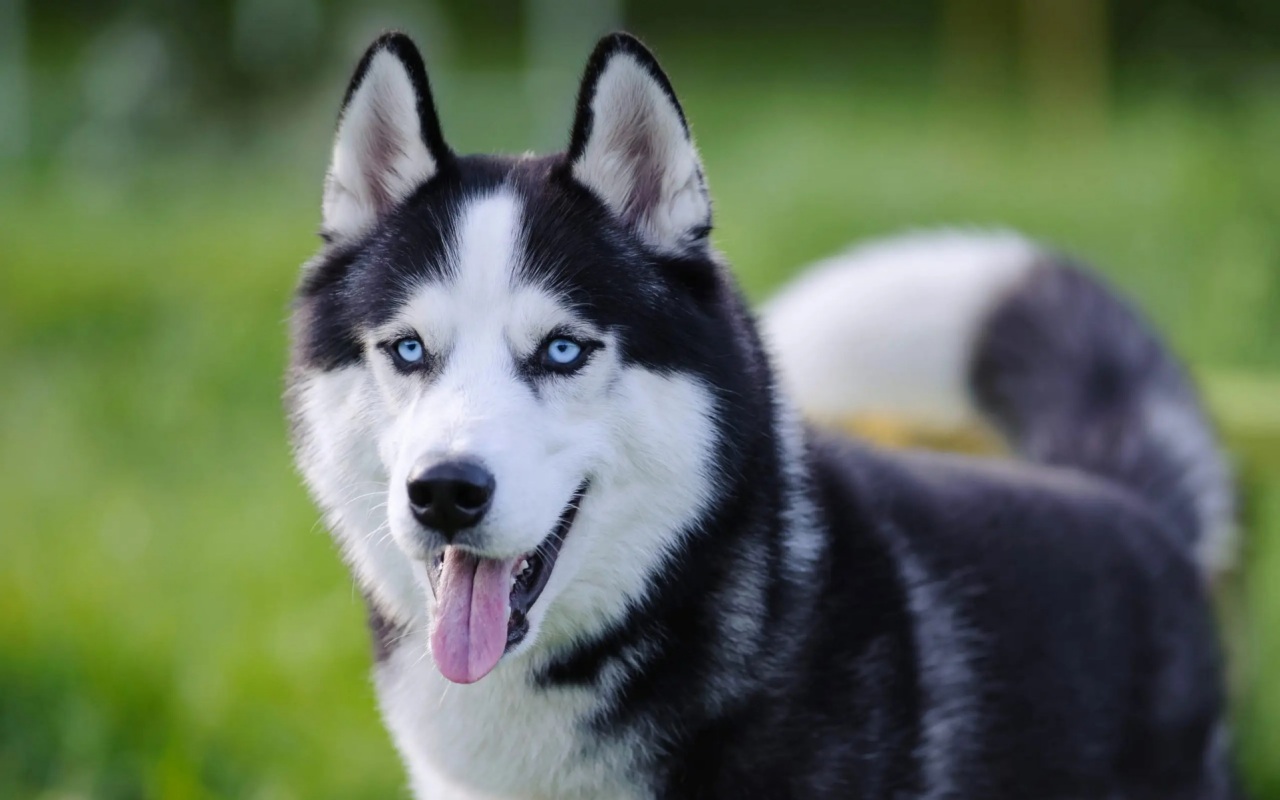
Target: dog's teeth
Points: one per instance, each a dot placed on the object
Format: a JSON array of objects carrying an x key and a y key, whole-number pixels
[{"x": 524, "y": 566}]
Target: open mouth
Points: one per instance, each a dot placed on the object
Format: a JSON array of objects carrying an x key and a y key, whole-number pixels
[{"x": 483, "y": 603}]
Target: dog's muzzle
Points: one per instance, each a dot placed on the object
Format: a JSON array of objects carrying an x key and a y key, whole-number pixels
[{"x": 483, "y": 603}]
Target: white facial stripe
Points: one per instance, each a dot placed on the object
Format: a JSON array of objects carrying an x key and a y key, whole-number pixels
[
  {"x": 486, "y": 252},
  {"x": 478, "y": 283},
  {"x": 483, "y": 291}
]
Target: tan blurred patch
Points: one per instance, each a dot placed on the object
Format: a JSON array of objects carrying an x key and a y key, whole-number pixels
[{"x": 900, "y": 432}]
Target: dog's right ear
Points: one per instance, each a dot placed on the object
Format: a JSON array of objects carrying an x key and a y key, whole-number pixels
[{"x": 388, "y": 142}]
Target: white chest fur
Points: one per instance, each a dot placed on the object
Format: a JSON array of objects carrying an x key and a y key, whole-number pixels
[{"x": 502, "y": 737}]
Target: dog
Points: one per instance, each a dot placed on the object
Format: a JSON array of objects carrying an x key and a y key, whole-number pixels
[{"x": 603, "y": 554}]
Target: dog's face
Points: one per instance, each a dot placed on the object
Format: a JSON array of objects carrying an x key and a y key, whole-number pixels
[{"x": 506, "y": 378}]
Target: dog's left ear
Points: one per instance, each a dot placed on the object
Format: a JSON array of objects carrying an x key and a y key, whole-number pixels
[
  {"x": 631, "y": 147},
  {"x": 388, "y": 142}
]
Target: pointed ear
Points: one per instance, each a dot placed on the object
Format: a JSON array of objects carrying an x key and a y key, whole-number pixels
[
  {"x": 388, "y": 140},
  {"x": 632, "y": 148}
]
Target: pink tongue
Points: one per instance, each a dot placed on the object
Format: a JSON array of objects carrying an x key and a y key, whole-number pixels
[{"x": 473, "y": 599}]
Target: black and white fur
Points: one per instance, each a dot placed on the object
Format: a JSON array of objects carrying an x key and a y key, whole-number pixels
[{"x": 744, "y": 606}]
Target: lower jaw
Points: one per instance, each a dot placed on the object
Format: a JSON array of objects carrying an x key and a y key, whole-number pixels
[
  {"x": 518, "y": 622},
  {"x": 517, "y": 630}
]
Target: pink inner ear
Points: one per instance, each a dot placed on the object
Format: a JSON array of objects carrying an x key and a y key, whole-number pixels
[{"x": 637, "y": 149}]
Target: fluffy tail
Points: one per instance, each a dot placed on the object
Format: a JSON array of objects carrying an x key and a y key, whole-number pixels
[{"x": 948, "y": 329}]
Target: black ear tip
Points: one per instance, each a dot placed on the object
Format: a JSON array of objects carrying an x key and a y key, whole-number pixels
[
  {"x": 402, "y": 48},
  {"x": 608, "y": 49},
  {"x": 398, "y": 44},
  {"x": 617, "y": 45},
  {"x": 621, "y": 42}
]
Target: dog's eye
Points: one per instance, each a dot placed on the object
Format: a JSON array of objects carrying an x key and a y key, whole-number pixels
[
  {"x": 562, "y": 354},
  {"x": 563, "y": 351},
  {"x": 409, "y": 350}
]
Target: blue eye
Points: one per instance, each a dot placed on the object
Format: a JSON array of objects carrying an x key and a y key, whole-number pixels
[
  {"x": 562, "y": 354},
  {"x": 409, "y": 350},
  {"x": 563, "y": 351}
]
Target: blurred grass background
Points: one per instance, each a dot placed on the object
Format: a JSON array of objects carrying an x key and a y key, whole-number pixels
[{"x": 174, "y": 621}]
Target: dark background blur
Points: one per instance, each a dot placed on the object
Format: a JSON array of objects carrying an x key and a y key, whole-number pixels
[{"x": 173, "y": 620}]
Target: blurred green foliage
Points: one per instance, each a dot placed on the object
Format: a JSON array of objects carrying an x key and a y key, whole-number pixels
[{"x": 174, "y": 620}]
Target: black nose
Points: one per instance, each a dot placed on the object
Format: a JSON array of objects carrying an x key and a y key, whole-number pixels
[{"x": 450, "y": 496}]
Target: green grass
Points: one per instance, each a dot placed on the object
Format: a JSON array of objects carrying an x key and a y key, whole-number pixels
[{"x": 174, "y": 621}]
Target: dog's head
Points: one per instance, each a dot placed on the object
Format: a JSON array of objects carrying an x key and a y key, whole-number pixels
[{"x": 508, "y": 371}]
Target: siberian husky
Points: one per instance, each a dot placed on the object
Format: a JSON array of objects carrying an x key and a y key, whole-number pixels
[{"x": 604, "y": 557}]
